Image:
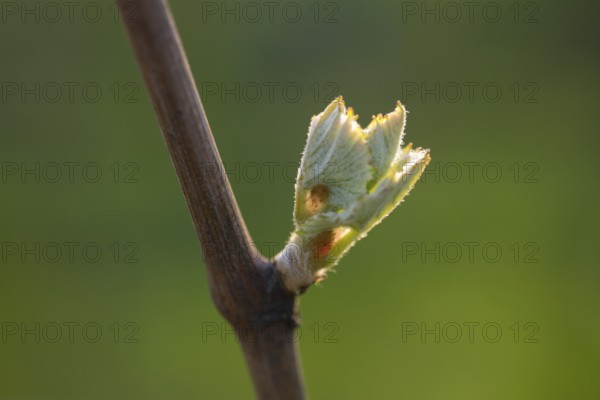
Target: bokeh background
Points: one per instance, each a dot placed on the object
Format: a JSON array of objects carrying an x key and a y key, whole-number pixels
[{"x": 386, "y": 325}]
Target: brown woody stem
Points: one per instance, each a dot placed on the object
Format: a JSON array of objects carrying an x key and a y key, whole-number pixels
[{"x": 244, "y": 286}]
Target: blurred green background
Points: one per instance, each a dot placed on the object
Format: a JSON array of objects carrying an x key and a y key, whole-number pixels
[{"x": 385, "y": 326}]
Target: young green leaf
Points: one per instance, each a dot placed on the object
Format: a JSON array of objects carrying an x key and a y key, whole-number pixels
[{"x": 348, "y": 181}]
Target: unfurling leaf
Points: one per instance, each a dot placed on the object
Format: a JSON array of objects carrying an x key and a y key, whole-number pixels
[{"x": 349, "y": 179}]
